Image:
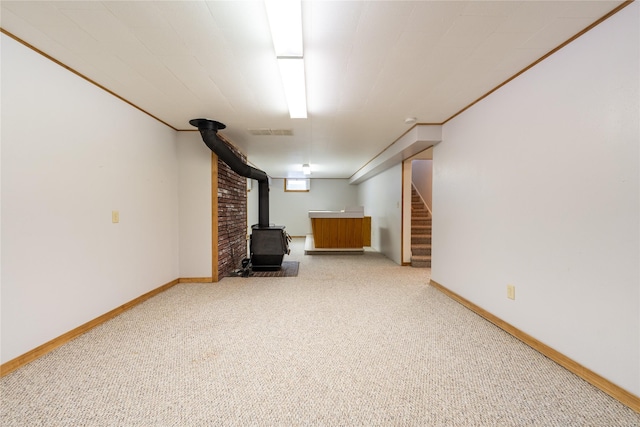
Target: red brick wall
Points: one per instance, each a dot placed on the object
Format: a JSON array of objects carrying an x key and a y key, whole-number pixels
[{"x": 232, "y": 217}]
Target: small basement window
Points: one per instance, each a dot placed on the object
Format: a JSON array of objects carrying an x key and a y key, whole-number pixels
[{"x": 297, "y": 184}]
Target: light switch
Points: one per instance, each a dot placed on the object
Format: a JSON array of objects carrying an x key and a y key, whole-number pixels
[{"x": 115, "y": 217}]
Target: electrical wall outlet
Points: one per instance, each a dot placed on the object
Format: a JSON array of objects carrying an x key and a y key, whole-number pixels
[
  {"x": 115, "y": 217},
  {"x": 511, "y": 292}
]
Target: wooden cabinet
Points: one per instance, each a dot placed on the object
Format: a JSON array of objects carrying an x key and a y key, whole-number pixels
[
  {"x": 337, "y": 232},
  {"x": 345, "y": 229},
  {"x": 366, "y": 231}
]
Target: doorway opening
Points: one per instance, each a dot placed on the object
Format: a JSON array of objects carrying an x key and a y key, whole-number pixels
[{"x": 418, "y": 210}]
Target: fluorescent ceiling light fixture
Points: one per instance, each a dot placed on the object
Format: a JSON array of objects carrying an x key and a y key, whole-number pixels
[
  {"x": 306, "y": 169},
  {"x": 285, "y": 20},
  {"x": 292, "y": 73}
]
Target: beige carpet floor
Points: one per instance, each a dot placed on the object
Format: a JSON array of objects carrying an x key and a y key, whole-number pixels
[{"x": 352, "y": 341}]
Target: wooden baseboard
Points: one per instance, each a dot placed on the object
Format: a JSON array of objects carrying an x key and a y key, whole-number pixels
[
  {"x": 195, "y": 280},
  {"x": 618, "y": 393},
  {"x": 45, "y": 348}
]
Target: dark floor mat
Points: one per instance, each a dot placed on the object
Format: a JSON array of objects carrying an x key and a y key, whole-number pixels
[{"x": 288, "y": 269}]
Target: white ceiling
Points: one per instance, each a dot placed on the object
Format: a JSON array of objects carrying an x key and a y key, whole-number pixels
[{"x": 369, "y": 64}]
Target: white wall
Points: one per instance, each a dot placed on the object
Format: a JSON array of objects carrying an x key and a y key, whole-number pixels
[
  {"x": 421, "y": 176},
  {"x": 194, "y": 189},
  {"x": 537, "y": 186},
  {"x": 291, "y": 209},
  {"x": 72, "y": 153},
  {"x": 381, "y": 197}
]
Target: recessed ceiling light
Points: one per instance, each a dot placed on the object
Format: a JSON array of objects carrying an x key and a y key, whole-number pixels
[{"x": 410, "y": 120}]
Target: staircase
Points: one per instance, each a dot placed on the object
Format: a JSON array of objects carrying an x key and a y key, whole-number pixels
[{"x": 420, "y": 232}]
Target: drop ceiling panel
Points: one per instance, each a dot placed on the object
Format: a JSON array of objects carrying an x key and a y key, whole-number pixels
[
  {"x": 588, "y": 9},
  {"x": 101, "y": 25},
  {"x": 369, "y": 64},
  {"x": 194, "y": 24},
  {"x": 413, "y": 46},
  {"x": 384, "y": 20},
  {"x": 530, "y": 17},
  {"x": 137, "y": 14},
  {"x": 37, "y": 13},
  {"x": 497, "y": 45},
  {"x": 490, "y": 8},
  {"x": 161, "y": 40},
  {"x": 469, "y": 31},
  {"x": 193, "y": 76},
  {"x": 558, "y": 29},
  {"x": 325, "y": 17},
  {"x": 75, "y": 39},
  {"x": 434, "y": 16}
]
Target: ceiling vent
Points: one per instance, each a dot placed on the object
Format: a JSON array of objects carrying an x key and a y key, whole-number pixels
[{"x": 266, "y": 131}]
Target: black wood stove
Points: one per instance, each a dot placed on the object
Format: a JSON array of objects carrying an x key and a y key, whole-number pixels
[{"x": 269, "y": 243}]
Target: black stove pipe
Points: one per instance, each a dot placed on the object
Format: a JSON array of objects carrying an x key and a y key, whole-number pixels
[{"x": 209, "y": 132}]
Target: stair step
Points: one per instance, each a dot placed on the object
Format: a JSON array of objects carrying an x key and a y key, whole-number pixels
[
  {"x": 417, "y": 229},
  {"x": 418, "y": 210},
  {"x": 421, "y": 249},
  {"x": 420, "y": 246},
  {"x": 420, "y": 232},
  {"x": 420, "y": 239},
  {"x": 421, "y": 261}
]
